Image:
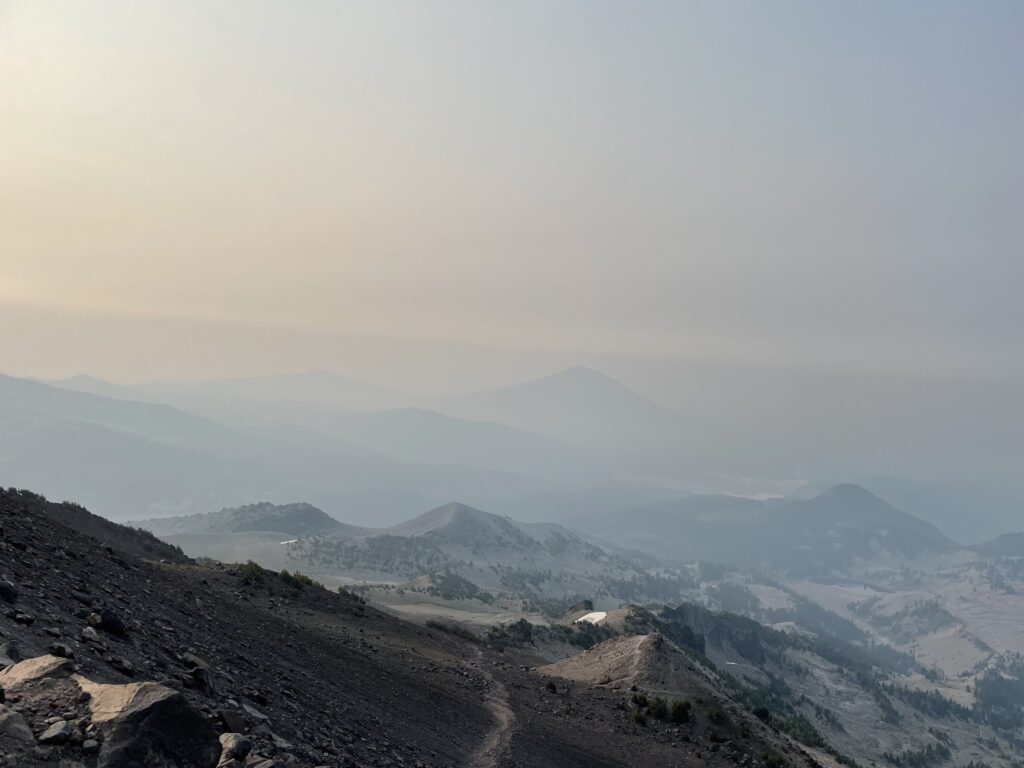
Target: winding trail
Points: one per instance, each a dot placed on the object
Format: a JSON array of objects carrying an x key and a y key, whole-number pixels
[
  {"x": 489, "y": 754},
  {"x": 634, "y": 662}
]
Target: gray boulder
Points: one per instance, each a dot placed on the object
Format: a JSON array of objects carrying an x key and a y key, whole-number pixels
[
  {"x": 14, "y": 730},
  {"x": 8, "y": 591},
  {"x": 58, "y": 733},
  {"x": 139, "y": 724},
  {"x": 150, "y": 724}
]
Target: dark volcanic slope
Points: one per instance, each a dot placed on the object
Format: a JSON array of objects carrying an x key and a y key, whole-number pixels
[
  {"x": 340, "y": 683},
  {"x": 133, "y": 541},
  {"x": 334, "y": 678}
]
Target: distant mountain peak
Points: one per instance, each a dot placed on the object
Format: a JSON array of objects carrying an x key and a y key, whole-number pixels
[
  {"x": 576, "y": 382},
  {"x": 84, "y": 377},
  {"x": 850, "y": 492},
  {"x": 580, "y": 406},
  {"x": 582, "y": 371},
  {"x": 447, "y": 515},
  {"x": 583, "y": 375},
  {"x": 322, "y": 376},
  {"x": 455, "y": 510},
  {"x": 457, "y": 507},
  {"x": 816, "y": 535}
]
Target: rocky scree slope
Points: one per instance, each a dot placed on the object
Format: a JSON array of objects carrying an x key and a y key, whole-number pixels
[
  {"x": 122, "y": 725},
  {"x": 311, "y": 677},
  {"x": 124, "y": 538},
  {"x": 302, "y": 675}
]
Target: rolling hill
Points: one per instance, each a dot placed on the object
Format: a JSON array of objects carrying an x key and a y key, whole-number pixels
[{"x": 297, "y": 520}]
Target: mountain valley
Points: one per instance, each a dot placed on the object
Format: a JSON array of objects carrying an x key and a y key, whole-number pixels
[{"x": 596, "y": 618}]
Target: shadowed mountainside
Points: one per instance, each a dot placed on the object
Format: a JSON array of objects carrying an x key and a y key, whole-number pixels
[
  {"x": 827, "y": 531},
  {"x": 133, "y": 541}
]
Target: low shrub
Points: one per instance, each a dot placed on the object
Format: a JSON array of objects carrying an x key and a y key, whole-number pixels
[{"x": 251, "y": 572}]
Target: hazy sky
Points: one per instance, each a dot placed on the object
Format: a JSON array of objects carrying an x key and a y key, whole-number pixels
[{"x": 406, "y": 191}]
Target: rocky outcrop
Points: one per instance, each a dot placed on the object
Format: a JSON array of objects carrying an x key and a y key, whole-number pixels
[
  {"x": 17, "y": 677},
  {"x": 53, "y": 710},
  {"x": 149, "y": 724}
]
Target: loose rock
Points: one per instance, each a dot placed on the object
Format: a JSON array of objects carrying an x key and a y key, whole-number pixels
[
  {"x": 58, "y": 733},
  {"x": 8, "y": 591}
]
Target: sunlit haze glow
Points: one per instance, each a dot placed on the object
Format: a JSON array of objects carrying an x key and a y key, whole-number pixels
[{"x": 821, "y": 197}]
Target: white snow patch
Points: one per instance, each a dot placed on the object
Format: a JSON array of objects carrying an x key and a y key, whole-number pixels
[
  {"x": 290, "y": 541},
  {"x": 593, "y": 617}
]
